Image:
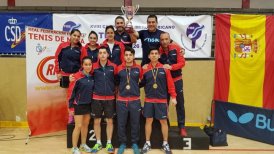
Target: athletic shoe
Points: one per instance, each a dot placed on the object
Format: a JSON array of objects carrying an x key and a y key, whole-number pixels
[
  {"x": 97, "y": 147},
  {"x": 166, "y": 149},
  {"x": 183, "y": 132},
  {"x": 85, "y": 148},
  {"x": 75, "y": 151},
  {"x": 121, "y": 149},
  {"x": 135, "y": 149},
  {"x": 146, "y": 148},
  {"x": 109, "y": 148}
]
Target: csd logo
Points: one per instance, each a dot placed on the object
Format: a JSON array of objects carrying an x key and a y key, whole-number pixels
[{"x": 243, "y": 119}]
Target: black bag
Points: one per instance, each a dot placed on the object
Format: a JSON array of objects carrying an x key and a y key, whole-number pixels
[{"x": 217, "y": 136}]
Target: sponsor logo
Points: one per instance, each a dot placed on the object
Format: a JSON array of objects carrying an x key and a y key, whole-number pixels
[
  {"x": 243, "y": 119},
  {"x": 261, "y": 121},
  {"x": 13, "y": 33},
  {"x": 45, "y": 70},
  {"x": 245, "y": 46},
  {"x": 151, "y": 40},
  {"x": 192, "y": 39},
  {"x": 76, "y": 51},
  {"x": 70, "y": 25},
  {"x": 40, "y": 49}
]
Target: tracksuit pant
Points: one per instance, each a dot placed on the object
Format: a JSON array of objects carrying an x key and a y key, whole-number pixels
[
  {"x": 133, "y": 110},
  {"x": 180, "y": 107}
]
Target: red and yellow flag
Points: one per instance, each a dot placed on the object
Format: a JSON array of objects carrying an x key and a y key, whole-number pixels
[{"x": 244, "y": 68}]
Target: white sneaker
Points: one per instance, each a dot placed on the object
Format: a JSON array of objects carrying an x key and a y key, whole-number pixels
[
  {"x": 75, "y": 151},
  {"x": 85, "y": 148}
]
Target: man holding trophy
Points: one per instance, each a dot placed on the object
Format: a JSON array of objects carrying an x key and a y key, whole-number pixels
[{"x": 120, "y": 34}]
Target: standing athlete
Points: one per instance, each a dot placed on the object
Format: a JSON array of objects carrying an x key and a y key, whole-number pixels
[
  {"x": 172, "y": 60},
  {"x": 158, "y": 83},
  {"x": 103, "y": 98},
  {"x": 128, "y": 101}
]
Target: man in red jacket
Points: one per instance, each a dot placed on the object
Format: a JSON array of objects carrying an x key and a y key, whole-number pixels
[
  {"x": 173, "y": 60},
  {"x": 157, "y": 82}
]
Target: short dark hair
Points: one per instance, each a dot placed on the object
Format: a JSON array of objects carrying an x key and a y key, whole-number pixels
[
  {"x": 153, "y": 16},
  {"x": 109, "y": 27},
  {"x": 153, "y": 48},
  {"x": 102, "y": 47},
  {"x": 119, "y": 17},
  {"x": 93, "y": 32},
  {"x": 86, "y": 57},
  {"x": 127, "y": 48}
]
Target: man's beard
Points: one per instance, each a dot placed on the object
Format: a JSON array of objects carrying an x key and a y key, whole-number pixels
[{"x": 120, "y": 29}]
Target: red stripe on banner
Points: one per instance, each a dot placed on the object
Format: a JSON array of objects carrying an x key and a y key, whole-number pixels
[
  {"x": 268, "y": 94},
  {"x": 222, "y": 57},
  {"x": 54, "y": 118}
]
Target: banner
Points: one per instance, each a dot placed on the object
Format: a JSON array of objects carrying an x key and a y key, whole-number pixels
[
  {"x": 246, "y": 121},
  {"x": 12, "y": 30},
  {"x": 192, "y": 33},
  {"x": 244, "y": 76},
  {"x": 244, "y": 60},
  {"x": 46, "y": 101}
]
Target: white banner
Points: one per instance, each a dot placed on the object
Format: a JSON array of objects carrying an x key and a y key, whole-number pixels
[
  {"x": 194, "y": 33},
  {"x": 46, "y": 101}
]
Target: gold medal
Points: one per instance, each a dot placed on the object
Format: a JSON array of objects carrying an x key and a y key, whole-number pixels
[
  {"x": 128, "y": 78},
  {"x": 155, "y": 86},
  {"x": 154, "y": 74}
]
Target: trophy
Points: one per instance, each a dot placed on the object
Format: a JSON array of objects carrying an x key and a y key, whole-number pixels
[{"x": 129, "y": 12}]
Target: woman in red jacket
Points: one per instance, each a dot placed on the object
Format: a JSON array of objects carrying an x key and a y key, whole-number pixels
[
  {"x": 92, "y": 47},
  {"x": 68, "y": 58},
  {"x": 115, "y": 49},
  {"x": 79, "y": 94}
]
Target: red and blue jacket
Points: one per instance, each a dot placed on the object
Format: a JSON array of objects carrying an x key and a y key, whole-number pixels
[
  {"x": 93, "y": 54},
  {"x": 116, "y": 56},
  {"x": 124, "y": 37},
  {"x": 68, "y": 59},
  {"x": 105, "y": 79},
  {"x": 163, "y": 80},
  {"x": 174, "y": 58},
  {"x": 80, "y": 90},
  {"x": 135, "y": 75}
]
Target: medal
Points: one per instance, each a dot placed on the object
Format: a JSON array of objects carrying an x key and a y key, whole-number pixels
[
  {"x": 154, "y": 74},
  {"x": 155, "y": 86},
  {"x": 128, "y": 78}
]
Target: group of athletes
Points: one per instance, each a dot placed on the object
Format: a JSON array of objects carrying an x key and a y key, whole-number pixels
[{"x": 104, "y": 81}]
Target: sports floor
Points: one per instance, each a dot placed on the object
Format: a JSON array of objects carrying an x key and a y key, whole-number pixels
[{"x": 12, "y": 141}]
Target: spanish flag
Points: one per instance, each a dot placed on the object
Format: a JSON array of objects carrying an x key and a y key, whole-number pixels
[{"x": 244, "y": 60}]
